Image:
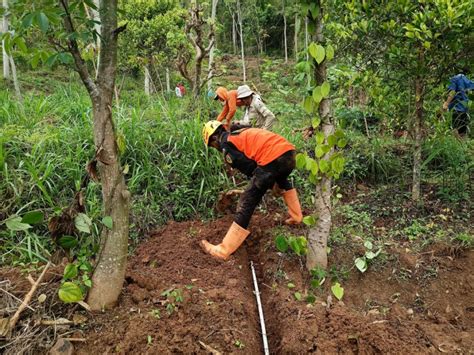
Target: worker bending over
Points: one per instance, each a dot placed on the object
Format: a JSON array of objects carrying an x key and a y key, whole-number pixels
[
  {"x": 230, "y": 102},
  {"x": 268, "y": 159},
  {"x": 256, "y": 112}
]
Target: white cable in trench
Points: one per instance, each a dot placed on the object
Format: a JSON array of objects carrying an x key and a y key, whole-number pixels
[{"x": 260, "y": 311}]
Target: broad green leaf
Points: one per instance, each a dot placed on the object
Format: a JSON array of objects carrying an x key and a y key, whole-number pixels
[
  {"x": 67, "y": 242},
  {"x": 15, "y": 224},
  {"x": 309, "y": 163},
  {"x": 313, "y": 49},
  {"x": 368, "y": 244},
  {"x": 320, "y": 137},
  {"x": 291, "y": 285},
  {"x": 107, "y": 221},
  {"x": 300, "y": 160},
  {"x": 298, "y": 296},
  {"x": 51, "y": 60},
  {"x": 88, "y": 282},
  {"x": 337, "y": 291},
  {"x": 370, "y": 255},
  {"x": 341, "y": 143},
  {"x": 83, "y": 223},
  {"x": 320, "y": 53},
  {"x": 121, "y": 143},
  {"x": 410, "y": 34},
  {"x": 316, "y": 122},
  {"x": 314, "y": 167},
  {"x": 43, "y": 21},
  {"x": 332, "y": 140},
  {"x": 32, "y": 217},
  {"x": 309, "y": 220},
  {"x": 281, "y": 244},
  {"x": 339, "y": 133},
  {"x": 361, "y": 264},
  {"x": 324, "y": 165},
  {"x": 325, "y": 88},
  {"x": 20, "y": 42},
  {"x": 308, "y": 104},
  {"x": 70, "y": 292},
  {"x": 295, "y": 246},
  {"x": 329, "y": 52},
  {"x": 70, "y": 271},
  {"x": 317, "y": 95},
  {"x": 319, "y": 151},
  {"x": 28, "y": 20}
]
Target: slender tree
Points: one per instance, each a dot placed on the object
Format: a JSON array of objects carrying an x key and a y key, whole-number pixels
[
  {"x": 241, "y": 30},
  {"x": 211, "y": 51},
  {"x": 6, "y": 57},
  {"x": 62, "y": 22}
]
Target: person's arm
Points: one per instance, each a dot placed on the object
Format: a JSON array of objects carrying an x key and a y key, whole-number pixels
[
  {"x": 232, "y": 101},
  {"x": 223, "y": 113},
  {"x": 268, "y": 115}
]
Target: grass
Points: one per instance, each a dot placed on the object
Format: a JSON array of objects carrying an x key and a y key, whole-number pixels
[{"x": 46, "y": 143}]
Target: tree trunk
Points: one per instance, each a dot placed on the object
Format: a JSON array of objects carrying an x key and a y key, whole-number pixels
[
  {"x": 234, "y": 34},
  {"x": 6, "y": 60},
  {"x": 284, "y": 32},
  {"x": 109, "y": 274},
  {"x": 297, "y": 29},
  {"x": 239, "y": 18},
  {"x": 147, "y": 80},
  {"x": 417, "y": 127},
  {"x": 211, "y": 52},
  {"x": 319, "y": 233},
  {"x": 168, "y": 86},
  {"x": 15, "y": 79}
]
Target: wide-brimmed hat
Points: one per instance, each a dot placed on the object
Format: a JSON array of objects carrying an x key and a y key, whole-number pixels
[{"x": 244, "y": 91}]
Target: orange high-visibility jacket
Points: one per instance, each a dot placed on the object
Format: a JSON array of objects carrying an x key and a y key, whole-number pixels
[
  {"x": 230, "y": 106},
  {"x": 260, "y": 145}
]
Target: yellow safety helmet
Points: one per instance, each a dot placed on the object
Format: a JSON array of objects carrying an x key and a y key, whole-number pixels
[{"x": 209, "y": 129}]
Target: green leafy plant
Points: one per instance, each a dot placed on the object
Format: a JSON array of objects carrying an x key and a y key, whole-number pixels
[
  {"x": 173, "y": 297},
  {"x": 155, "y": 313},
  {"x": 318, "y": 277},
  {"x": 337, "y": 290},
  {"x": 239, "y": 344},
  {"x": 362, "y": 263},
  {"x": 299, "y": 245}
]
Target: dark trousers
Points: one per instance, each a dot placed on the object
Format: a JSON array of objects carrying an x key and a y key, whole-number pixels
[
  {"x": 460, "y": 121},
  {"x": 264, "y": 177}
]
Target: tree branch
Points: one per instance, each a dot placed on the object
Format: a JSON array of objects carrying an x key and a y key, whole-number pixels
[{"x": 73, "y": 48}]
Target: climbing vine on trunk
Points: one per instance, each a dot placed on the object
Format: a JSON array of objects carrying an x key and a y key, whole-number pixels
[{"x": 327, "y": 162}]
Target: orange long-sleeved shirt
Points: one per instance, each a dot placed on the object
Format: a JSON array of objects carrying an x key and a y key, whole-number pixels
[
  {"x": 260, "y": 145},
  {"x": 230, "y": 106}
]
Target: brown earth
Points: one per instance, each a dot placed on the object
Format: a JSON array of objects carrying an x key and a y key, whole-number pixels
[{"x": 413, "y": 302}]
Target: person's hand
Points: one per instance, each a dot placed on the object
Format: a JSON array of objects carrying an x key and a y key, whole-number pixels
[{"x": 445, "y": 106}]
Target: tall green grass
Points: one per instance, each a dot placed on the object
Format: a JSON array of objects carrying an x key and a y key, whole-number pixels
[{"x": 46, "y": 143}]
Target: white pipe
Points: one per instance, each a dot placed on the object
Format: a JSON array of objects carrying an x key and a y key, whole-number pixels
[{"x": 260, "y": 311}]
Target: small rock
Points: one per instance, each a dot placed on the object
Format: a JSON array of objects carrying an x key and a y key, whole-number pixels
[
  {"x": 410, "y": 311},
  {"x": 62, "y": 347}
]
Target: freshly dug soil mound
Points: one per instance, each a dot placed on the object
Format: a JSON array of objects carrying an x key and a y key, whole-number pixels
[{"x": 218, "y": 306}]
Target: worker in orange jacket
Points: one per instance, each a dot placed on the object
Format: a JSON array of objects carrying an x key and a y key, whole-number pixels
[
  {"x": 229, "y": 98},
  {"x": 268, "y": 159}
]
